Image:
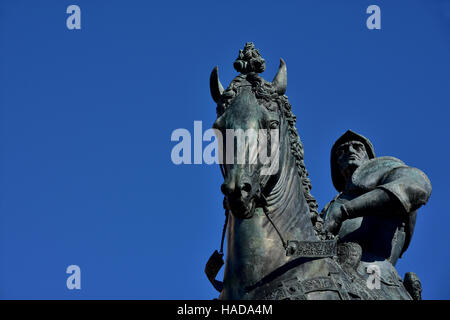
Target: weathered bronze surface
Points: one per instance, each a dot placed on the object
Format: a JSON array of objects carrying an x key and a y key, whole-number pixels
[{"x": 278, "y": 245}]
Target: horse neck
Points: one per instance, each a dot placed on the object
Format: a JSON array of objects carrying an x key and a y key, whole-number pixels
[{"x": 287, "y": 204}]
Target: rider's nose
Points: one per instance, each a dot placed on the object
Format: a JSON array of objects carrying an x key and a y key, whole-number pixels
[{"x": 352, "y": 149}]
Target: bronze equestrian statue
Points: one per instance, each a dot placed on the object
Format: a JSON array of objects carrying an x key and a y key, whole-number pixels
[{"x": 278, "y": 245}]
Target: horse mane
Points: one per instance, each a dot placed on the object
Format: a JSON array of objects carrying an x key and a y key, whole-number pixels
[{"x": 266, "y": 94}]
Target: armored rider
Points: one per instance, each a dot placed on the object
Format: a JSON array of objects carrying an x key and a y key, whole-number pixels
[{"x": 377, "y": 202}]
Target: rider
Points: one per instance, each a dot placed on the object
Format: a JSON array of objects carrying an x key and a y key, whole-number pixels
[{"x": 377, "y": 200}]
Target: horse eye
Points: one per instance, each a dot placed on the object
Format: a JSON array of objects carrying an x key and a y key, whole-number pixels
[{"x": 274, "y": 124}]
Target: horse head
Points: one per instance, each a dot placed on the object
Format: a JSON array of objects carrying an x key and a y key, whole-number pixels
[{"x": 249, "y": 126}]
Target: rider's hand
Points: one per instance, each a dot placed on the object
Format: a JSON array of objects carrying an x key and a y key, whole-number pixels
[{"x": 335, "y": 217}]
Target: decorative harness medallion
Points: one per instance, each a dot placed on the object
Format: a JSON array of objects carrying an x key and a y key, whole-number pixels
[{"x": 312, "y": 249}]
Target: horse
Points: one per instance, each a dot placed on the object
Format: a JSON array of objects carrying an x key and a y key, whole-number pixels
[{"x": 276, "y": 248}]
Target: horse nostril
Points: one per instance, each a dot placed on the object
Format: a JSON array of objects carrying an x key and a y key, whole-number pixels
[
  {"x": 246, "y": 187},
  {"x": 225, "y": 189}
]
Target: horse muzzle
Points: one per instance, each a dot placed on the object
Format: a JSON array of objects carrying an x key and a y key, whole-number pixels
[
  {"x": 240, "y": 199},
  {"x": 241, "y": 209}
]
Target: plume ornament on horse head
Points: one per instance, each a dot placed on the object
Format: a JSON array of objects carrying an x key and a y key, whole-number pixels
[{"x": 277, "y": 246}]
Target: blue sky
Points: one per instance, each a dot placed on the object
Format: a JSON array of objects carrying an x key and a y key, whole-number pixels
[{"x": 86, "y": 117}]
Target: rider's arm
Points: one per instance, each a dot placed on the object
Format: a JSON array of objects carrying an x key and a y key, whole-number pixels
[
  {"x": 401, "y": 191},
  {"x": 375, "y": 202}
]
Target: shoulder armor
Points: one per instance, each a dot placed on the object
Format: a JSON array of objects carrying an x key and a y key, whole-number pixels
[{"x": 369, "y": 174}]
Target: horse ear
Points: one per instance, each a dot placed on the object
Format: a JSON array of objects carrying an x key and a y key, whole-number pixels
[
  {"x": 280, "y": 80},
  {"x": 214, "y": 85}
]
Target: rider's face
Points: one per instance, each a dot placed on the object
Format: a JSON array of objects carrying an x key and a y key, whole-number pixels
[{"x": 351, "y": 154}]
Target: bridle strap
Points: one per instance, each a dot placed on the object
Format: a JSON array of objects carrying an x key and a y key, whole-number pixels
[
  {"x": 266, "y": 212},
  {"x": 227, "y": 213},
  {"x": 215, "y": 262},
  {"x": 224, "y": 230}
]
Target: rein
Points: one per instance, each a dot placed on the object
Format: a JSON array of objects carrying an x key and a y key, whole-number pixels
[
  {"x": 215, "y": 262},
  {"x": 266, "y": 213}
]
